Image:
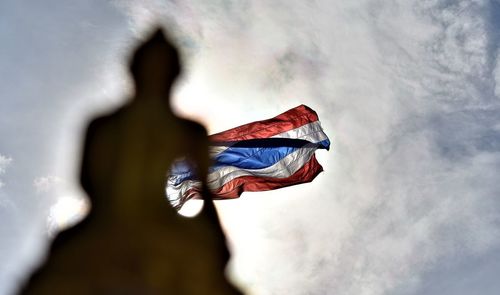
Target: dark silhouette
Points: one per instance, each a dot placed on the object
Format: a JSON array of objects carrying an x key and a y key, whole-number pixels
[{"x": 133, "y": 241}]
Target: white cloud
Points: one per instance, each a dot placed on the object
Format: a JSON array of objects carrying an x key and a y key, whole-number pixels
[
  {"x": 45, "y": 184},
  {"x": 404, "y": 88},
  {"x": 4, "y": 163},
  {"x": 497, "y": 76}
]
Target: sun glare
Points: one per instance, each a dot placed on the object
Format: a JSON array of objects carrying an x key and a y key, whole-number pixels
[
  {"x": 66, "y": 212},
  {"x": 191, "y": 208}
]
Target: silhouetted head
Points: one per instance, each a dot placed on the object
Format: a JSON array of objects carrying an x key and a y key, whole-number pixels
[{"x": 155, "y": 65}]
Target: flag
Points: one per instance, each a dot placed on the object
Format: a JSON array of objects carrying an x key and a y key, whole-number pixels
[{"x": 257, "y": 156}]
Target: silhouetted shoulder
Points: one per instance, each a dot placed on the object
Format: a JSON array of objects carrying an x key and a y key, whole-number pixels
[
  {"x": 104, "y": 120},
  {"x": 194, "y": 128},
  {"x": 95, "y": 126},
  {"x": 98, "y": 145}
]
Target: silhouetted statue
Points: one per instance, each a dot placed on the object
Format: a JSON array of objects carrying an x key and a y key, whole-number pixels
[{"x": 133, "y": 241}]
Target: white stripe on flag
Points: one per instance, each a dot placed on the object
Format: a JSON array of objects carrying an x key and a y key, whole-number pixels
[
  {"x": 281, "y": 169},
  {"x": 312, "y": 132}
]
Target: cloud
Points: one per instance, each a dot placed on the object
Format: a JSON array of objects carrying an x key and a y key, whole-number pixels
[
  {"x": 68, "y": 208},
  {"x": 409, "y": 92},
  {"x": 85, "y": 54},
  {"x": 45, "y": 184},
  {"x": 497, "y": 76},
  {"x": 4, "y": 163}
]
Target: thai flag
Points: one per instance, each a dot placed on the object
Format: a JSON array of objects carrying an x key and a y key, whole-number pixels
[{"x": 258, "y": 156}]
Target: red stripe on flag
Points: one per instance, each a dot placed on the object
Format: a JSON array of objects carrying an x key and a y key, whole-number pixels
[
  {"x": 289, "y": 120},
  {"x": 235, "y": 187}
]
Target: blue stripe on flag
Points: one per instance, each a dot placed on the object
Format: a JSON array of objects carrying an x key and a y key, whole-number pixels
[
  {"x": 248, "y": 155},
  {"x": 260, "y": 153}
]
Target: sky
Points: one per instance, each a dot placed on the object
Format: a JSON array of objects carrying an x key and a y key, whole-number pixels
[{"x": 408, "y": 92}]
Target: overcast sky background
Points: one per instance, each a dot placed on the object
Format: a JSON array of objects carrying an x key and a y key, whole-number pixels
[{"x": 408, "y": 91}]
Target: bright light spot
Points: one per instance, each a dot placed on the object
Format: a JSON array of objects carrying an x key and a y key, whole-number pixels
[
  {"x": 67, "y": 212},
  {"x": 191, "y": 208},
  {"x": 189, "y": 101}
]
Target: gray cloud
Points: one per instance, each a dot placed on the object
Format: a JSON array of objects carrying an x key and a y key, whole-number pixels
[
  {"x": 62, "y": 62},
  {"x": 497, "y": 76},
  {"x": 407, "y": 91}
]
